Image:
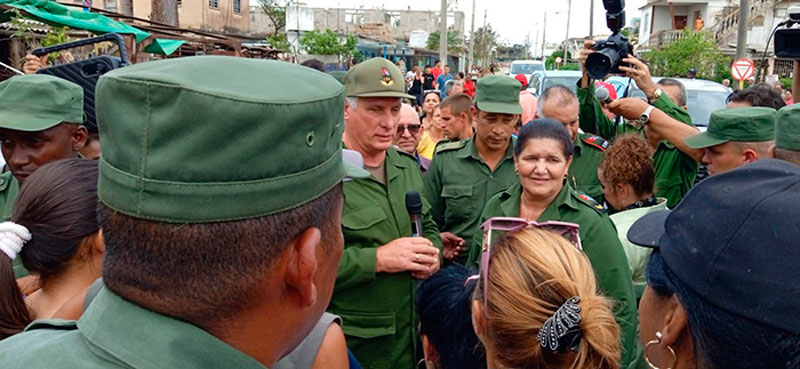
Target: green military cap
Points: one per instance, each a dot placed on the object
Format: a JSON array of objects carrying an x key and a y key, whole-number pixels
[
  {"x": 338, "y": 74},
  {"x": 498, "y": 94},
  {"x": 751, "y": 124},
  {"x": 787, "y": 128},
  {"x": 37, "y": 102},
  {"x": 376, "y": 77},
  {"x": 216, "y": 138}
]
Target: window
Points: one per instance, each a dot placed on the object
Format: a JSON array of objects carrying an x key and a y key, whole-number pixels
[
  {"x": 111, "y": 5},
  {"x": 213, "y": 4},
  {"x": 237, "y": 6}
]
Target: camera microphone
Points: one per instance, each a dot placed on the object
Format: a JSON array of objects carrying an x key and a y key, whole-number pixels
[
  {"x": 603, "y": 95},
  {"x": 414, "y": 208}
]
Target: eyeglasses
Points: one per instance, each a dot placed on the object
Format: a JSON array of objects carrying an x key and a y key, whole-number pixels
[
  {"x": 412, "y": 128},
  {"x": 505, "y": 224}
]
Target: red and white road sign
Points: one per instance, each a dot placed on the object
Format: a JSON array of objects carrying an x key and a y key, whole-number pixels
[{"x": 742, "y": 69}]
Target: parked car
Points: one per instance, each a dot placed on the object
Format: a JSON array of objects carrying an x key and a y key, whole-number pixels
[
  {"x": 526, "y": 67},
  {"x": 702, "y": 97},
  {"x": 541, "y": 80}
]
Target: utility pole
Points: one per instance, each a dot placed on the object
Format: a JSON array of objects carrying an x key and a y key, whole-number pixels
[
  {"x": 164, "y": 11},
  {"x": 741, "y": 39},
  {"x": 566, "y": 40},
  {"x": 470, "y": 52},
  {"x": 591, "y": 18},
  {"x": 544, "y": 34},
  {"x": 443, "y": 35},
  {"x": 535, "y": 41},
  {"x": 485, "y": 60}
]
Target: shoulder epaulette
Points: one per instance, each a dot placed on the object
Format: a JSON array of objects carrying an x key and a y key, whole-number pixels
[
  {"x": 596, "y": 142},
  {"x": 449, "y": 145},
  {"x": 407, "y": 155},
  {"x": 588, "y": 200}
]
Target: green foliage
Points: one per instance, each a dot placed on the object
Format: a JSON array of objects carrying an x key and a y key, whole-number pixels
[
  {"x": 550, "y": 62},
  {"x": 276, "y": 12},
  {"x": 279, "y": 41},
  {"x": 328, "y": 43},
  {"x": 455, "y": 45},
  {"x": 486, "y": 41},
  {"x": 695, "y": 49},
  {"x": 786, "y": 82},
  {"x": 55, "y": 37}
]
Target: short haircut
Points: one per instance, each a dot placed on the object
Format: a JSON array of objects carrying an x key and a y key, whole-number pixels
[
  {"x": 682, "y": 99},
  {"x": 458, "y": 104},
  {"x": 204, "y": 273},
  {"x": 760, "y": 147},
  {"x": 559, "y": 94},
  {"x": 759, "y": 95},
  {"x": 630, "y": 161},
  {"x": 461, "y": 74},
  {"x": 545, "y": 128},
  {"x": 314, "y": 64},
  {"x": 787, "y": 155},
  {"x": 444, "y": 304}
]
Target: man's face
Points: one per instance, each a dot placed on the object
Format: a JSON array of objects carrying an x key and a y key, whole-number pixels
[
  {"x": 458, "y": 87},
  {"x": 674, "y": 93},
  {"x": 566, "y": 114},
  {"x": 454, "y": 126},
  {"x": 446, "y": 70},
  {"x": 371, "y": 124},
  {"x": 723, "y": 157},
  {"x": 495, "y": 129},
  {"x": 25, "y": 152},
  {"x": 409, "y": 130}
]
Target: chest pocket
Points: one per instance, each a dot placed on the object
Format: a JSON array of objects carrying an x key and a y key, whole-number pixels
[
  {"x": 458, "y": 200},
  {"x": 361, "y": 220}
]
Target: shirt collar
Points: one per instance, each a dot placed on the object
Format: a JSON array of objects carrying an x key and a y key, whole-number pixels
[
  {"x": 472, "y": 150},
  {"x": 145, "y": 339}
]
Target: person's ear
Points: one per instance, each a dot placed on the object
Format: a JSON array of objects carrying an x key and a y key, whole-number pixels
[
  {"x": 347, "y": 108},
  {"x": 750, "y": 155},
  {"x": 478, "y": 319},
  {"x": 473, "y": 112},
  {"x": 429, "y": 350},
  {"x": 675, "y": 322},
  {"x": 569, "y": 162},
  {"x": 79, "y": 138},
  {"x": 301, "y": 265},
  {"x": 621, "y": 189},
  {"x": 771, "y": 151},
  {"x": 99, "y": 243}
]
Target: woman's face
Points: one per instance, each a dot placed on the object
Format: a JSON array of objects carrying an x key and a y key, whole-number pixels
[
  {"x": 437, "y": 120},
  {"x": 430, "y": 102},
  {"x": 542, "y": 167}
]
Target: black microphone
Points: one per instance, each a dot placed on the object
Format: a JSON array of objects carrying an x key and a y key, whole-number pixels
[{"x": 414, "y": 208}]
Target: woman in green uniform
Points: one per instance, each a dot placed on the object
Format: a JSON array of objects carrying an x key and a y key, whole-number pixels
[{"x": 542, "y": 157}]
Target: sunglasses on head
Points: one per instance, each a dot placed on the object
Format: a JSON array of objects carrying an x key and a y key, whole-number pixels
[
  {"x": 412, "y": 128},
  {"x": 506, "y": 224}
]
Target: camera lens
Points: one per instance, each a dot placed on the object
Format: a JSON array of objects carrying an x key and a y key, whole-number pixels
[{"x": 600, "y": 63}]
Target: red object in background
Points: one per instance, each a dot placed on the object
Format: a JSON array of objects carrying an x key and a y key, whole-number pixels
[
  {"x": 612, "y": 92},
  {"x": 522, "y": 79},
  {"x": 469, "y": 88}
]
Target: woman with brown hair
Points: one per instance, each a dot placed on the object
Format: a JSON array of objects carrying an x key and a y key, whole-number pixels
[
  {"x": 55, "y": 231},
  {"x": 431, "y": 123},
  {"x": 537, "y": 303}
]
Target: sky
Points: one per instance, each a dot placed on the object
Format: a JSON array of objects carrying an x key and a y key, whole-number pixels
[{"x": 512, "y": 19}]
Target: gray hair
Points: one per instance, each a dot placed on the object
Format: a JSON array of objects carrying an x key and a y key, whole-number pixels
[
  {"x": 674, "y": 82},
  {"x": 450, "y": 85},
  {"x": 560, "y": 94},
  {"x": 352, "y": 101}
]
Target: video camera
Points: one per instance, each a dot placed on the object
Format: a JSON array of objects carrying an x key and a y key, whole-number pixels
[
  {"x": 787, "y": 40},
  {"x": 609, "y": 53}
]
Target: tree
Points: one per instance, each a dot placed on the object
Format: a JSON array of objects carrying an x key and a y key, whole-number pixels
[
  {"x": 164, "y": 11},
  {"x": 328, "y": 43},
  {"x": 455, "y": 45},
  {"x": 485, "y": 44},
  {"x": 694, "y": 49},
  {"x": 550, "y": 62},
  {"x": 276, "y": 12}
]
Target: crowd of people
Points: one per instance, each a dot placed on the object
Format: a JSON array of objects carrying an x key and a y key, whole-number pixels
[{"x": 393, "y": 220}]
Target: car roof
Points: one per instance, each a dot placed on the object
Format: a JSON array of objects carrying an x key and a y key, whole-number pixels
[
  {"x": 690, "y": 84},
  {"x": 560, "y": 73},
  {"x": 526, "y": 62}
]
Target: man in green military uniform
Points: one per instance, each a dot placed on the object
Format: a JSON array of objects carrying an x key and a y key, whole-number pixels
[
  {"x": 41, "y": 121},
  {"x": 559, "y": 102},
  {"x": 214, "y": 258},
  {"x": 675, "y": 171},
  {"x": 787, "y": 135},
  {"x": 382, "y": 262},
  {"x": 464, "y": 174}
]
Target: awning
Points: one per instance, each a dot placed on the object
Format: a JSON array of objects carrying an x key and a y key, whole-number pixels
[
  {"x": 58, "y": 15},
  {"x": 163, "y": 46}
]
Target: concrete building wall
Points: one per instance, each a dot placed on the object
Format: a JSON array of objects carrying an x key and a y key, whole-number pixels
[{"x": 200, "y": 15}]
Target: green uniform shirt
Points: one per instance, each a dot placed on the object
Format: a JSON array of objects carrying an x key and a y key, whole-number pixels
[
  {"x": 9, "y": 189},
  {"x": 600, "y": 243},
  {"x": 675, "y": 171},
  {"x": 377, "y": 309},
  {"x": 114, "y": 333},
  {"x": 589, "y": 152},
  {"x": 459, "y": 182}
]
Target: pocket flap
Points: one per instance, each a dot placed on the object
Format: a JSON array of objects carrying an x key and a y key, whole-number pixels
[
  {"x": 367, "y": 325},
  {"x": 456, "y": 191},
  {"x": 363, "y": 218}
]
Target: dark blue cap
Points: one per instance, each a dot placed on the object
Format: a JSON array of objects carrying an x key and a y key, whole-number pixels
[{"x": 735, "y": 241}]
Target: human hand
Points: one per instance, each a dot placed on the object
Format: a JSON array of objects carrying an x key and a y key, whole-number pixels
[
  {"x": 640, "y": 73},
  {"x": 453, "y": 245},
  {"x": 33, "y": 63},
  {"x": 412, "y": 254},
  {"x": 588, "y": 48},
  {"x": 631, "y": 108},
  {"x": 28, "y": 284}
]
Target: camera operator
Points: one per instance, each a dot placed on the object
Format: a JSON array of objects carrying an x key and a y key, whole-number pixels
[{"x": 675, "y": 171}]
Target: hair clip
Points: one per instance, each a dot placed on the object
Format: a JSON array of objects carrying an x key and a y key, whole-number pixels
[
  {"x": 561, "y": 330},
  {"x": 471, "y": 278}
]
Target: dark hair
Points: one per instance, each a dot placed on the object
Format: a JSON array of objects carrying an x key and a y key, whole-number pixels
[
  {"x": 674, "y": 82},
  {"x": 204, "y": 273},
  {"x": 444, "y": 304},
  {"x": 723, "y": 339},
  {"x": 759, "y": 95},
  {"x": 630, "y": 161},
  {"x": 787, "y": 155},
  {"x": 58, "y": 206},
  {"x": 545, "y": 128},
  {"x": 461, "y": 74},
  {"x": 314, "y": 64}
]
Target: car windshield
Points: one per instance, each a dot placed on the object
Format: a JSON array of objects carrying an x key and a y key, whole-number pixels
[
  {"x": 570, "y": 82},
  {"x": 528, "y": 68}
]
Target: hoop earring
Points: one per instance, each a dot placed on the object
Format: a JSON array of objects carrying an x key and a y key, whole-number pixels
[{"x": 656, "y": 342}]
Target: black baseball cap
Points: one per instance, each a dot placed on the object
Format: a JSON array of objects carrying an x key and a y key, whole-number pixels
[{"x": 735, "y": 241}]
